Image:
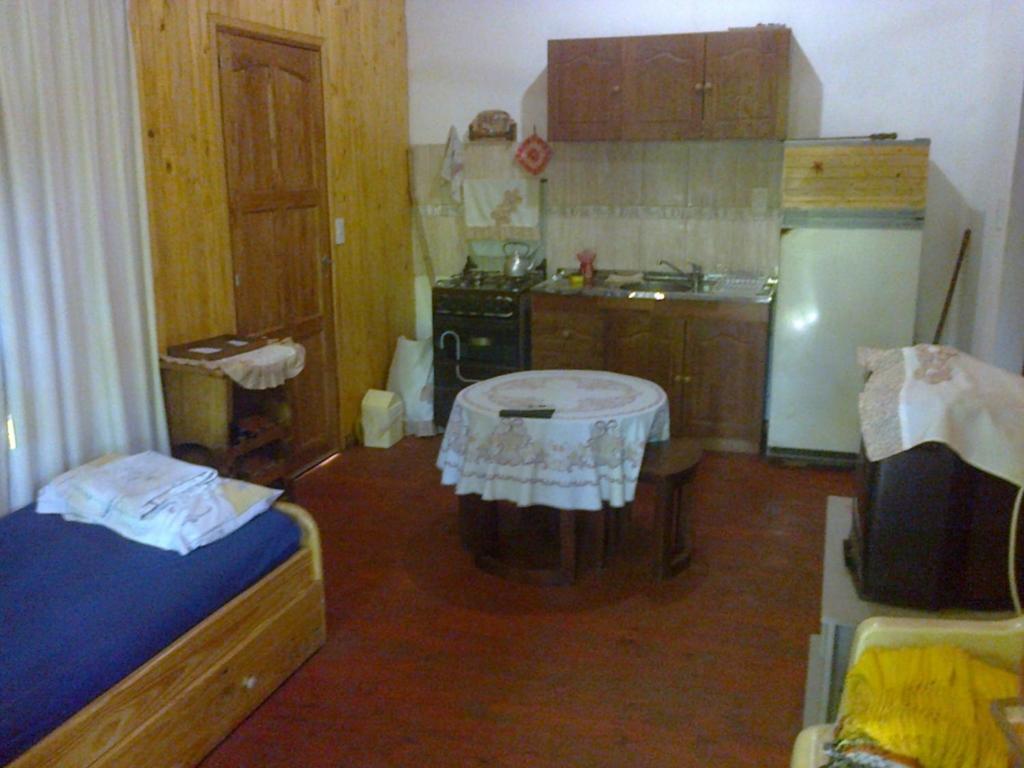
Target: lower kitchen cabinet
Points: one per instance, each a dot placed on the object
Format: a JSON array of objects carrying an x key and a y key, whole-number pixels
[
  {"x": 627, "y": 341},
  {"x": 569, "y": 335},
  {"x": 723, "y": 380},
  {"x": 708, "y": 356}
]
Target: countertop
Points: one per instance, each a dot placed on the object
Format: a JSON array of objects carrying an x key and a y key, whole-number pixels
[{"x": 625, "y": 284}]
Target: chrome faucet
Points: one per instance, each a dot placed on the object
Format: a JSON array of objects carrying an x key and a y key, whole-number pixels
[{"x": 696, "y": 270}]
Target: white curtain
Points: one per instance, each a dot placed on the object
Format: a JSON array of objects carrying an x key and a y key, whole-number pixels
[{"x": 77, "y": 329}]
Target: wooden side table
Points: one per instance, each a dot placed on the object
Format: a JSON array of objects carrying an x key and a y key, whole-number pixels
[{"x": 202, "y": 405}]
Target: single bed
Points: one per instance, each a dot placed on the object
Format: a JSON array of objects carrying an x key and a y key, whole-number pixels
[{"x": 213, "y": 634}]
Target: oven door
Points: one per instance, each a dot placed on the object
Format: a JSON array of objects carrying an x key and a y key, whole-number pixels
[
  {"x": 471, "y": 349},
  {"x": 477, "y": 341}
]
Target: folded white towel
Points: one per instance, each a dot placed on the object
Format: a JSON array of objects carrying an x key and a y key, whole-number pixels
[
  {"x": 191, "y": 519},
  {"x": 130, "y": 486},
  {"x": 195, "y": 513},
  {"x": 51, "y": 497}
]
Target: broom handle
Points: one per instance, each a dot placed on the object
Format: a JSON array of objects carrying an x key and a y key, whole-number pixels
[{"x": 952, "y": 284}]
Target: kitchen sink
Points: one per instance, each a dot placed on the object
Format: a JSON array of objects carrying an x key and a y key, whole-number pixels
[
  {"x": 671, "y": 283},
  {"x": 659, "y": 286},
  {"x": 668, "y": 285},
  {"x": 674, "y": 278}
]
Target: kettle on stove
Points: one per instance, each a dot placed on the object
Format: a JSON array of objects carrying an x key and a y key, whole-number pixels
[{"x": 519, "y": 258}]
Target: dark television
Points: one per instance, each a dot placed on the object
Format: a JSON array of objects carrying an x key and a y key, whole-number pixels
[{"x": 931, "y": 531}]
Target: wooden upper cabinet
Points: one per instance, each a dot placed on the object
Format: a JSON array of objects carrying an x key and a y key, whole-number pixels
[
  {"x": 722, "y": 85},
  {"x": 746, "y": 84},
  {"x": 585, "y": 89},
  {"x": 662, "y": 84}
]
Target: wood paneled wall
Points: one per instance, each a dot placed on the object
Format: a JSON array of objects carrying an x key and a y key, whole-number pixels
[{"x": 366, "y": 109}]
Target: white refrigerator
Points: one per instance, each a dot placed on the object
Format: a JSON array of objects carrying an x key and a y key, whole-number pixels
[{"x": 843, "y": 283}]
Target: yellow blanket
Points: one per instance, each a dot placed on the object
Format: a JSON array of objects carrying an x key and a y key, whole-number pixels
[{"x": 926, "y": 706}]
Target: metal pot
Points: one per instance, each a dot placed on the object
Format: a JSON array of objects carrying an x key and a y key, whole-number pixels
[{"x": 519, "y": 258}]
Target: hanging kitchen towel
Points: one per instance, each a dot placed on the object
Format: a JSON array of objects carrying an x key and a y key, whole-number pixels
[
  {"x": 502, "y": 209},
  {"x": 451, "y": 167}
]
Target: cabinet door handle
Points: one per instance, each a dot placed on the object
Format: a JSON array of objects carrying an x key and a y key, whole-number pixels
[
  {"x": 616, "y": 88},
  {"x": 698, "y": 86},
  {"x": 707, "y": 86},
  {"x": 565, "y": 333},
  {"x": 680, "y": 379}
]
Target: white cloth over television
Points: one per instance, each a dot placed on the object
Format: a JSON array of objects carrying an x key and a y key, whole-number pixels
[
  {"x": 932, "y": 393},
  {"x": 586, "y": 455}
]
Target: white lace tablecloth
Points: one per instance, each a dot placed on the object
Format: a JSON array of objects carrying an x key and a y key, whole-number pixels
[{"x": 586, "y": 455}]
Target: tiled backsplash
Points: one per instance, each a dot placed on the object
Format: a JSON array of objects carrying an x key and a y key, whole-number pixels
[{"x": 633, "y": 203}]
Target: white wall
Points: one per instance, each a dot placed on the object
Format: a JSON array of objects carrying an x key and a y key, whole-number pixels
[
  {"x": 1009, "y": 334},
  {"x": 949, "y": 70}
]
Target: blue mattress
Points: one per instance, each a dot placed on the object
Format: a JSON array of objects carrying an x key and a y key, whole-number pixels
[{"x": 81, "y": 607}]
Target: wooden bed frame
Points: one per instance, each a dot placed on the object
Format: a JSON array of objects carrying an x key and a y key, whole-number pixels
[{"x": 180, "y": 704}]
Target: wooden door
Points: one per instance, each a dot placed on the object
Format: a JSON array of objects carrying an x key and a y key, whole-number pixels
[
  {"x": 663, "y": 78},
  {"x": 746, "y": 84},
  {"x": 627, "y": 342},
  {"x": 273, "y": 123},
  {"x": 585, "y": 89},
  {"x": 723, "y": 379}
]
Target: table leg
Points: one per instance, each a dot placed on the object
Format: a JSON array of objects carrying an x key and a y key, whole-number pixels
[
  {"x": 488, "y": 522},
  {"x": 481, "y": 532},
  {"x": 478, "y": 523},
  {"x": 467, "y": 523},
  {"x": 594, "y": 544},
  {"x": 567, "y": 536},
  {"x": 662, "y": 529},
  {"x": 615, "y": 522}
]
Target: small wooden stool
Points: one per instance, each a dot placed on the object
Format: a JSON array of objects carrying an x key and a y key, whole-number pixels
[{"x": 670, "y": 466}]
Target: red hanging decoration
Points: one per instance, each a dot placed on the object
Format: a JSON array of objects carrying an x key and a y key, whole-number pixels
[{"x": 533, "y": 154}]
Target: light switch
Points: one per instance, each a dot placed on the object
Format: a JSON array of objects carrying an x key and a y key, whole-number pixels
[{"x": 339, "y": 231}]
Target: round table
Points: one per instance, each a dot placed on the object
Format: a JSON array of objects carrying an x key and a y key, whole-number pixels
[{"x": 501, "y": 445}]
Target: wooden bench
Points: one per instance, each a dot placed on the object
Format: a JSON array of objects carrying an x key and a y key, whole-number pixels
[{"x": 670, "y": 466}]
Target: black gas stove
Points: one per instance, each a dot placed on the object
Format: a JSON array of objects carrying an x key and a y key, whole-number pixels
[{"x": 481, "y": 330}]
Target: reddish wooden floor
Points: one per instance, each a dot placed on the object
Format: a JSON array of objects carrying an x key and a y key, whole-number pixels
[{"x": 430, "y": 662}]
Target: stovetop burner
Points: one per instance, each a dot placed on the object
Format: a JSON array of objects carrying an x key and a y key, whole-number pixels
[{"x": 482, "y": 280}]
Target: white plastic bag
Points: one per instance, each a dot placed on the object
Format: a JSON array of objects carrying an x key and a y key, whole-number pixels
[{"x": 412, "y": 378}]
